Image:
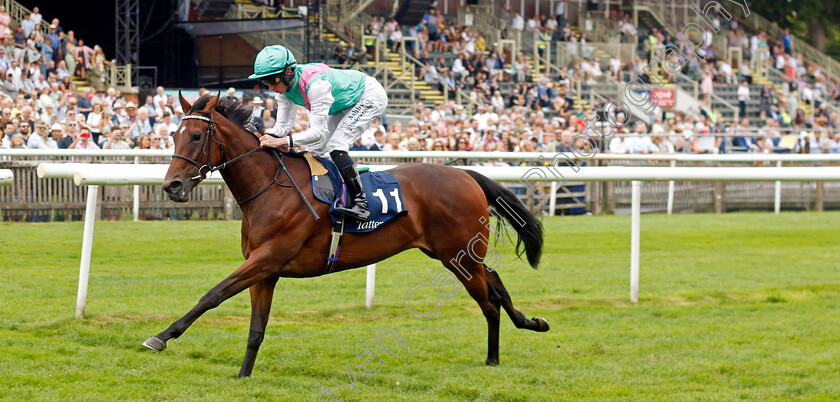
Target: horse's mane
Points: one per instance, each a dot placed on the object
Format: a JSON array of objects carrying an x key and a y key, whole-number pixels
[{"x": 237, "y": 111}]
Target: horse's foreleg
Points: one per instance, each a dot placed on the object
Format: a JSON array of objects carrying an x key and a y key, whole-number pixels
[
  {"x": 255, "y": 269},
  {"x": 261, "y": 294}
]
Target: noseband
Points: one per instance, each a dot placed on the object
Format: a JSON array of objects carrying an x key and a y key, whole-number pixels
[{"x": 207, "y": 149}]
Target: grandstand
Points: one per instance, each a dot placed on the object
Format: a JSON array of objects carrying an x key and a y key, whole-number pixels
[
  {"x": 569, "y": 61},
  {"x": 562, "y": 67}
]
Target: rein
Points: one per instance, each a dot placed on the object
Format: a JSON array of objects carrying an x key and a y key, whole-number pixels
[
  {"x": 206, "y": 148},
  {"x": 273, "y": 182}
]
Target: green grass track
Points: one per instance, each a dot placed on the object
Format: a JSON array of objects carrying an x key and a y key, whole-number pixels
[{"x": 733, "y": 306}]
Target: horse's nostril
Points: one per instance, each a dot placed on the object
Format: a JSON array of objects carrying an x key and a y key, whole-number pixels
[{"x": 174, "y": 186}]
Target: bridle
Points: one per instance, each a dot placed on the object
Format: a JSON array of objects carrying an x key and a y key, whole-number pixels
[{"x": 207, "y": 149}]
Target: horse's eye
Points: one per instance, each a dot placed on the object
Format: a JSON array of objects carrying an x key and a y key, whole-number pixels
[{"x": 196, "y": 137}]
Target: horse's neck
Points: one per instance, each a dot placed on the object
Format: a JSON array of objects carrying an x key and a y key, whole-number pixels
[{"x": 252, "y": 174}]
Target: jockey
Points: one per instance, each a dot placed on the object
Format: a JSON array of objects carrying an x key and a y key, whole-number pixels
[{"x": 341, "y": 104}]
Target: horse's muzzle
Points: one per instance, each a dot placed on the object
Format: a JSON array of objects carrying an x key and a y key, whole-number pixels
[{"x": 177, "y": 190}]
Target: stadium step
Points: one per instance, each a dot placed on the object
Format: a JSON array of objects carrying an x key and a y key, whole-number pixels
[{"x": 392, "y": 62}]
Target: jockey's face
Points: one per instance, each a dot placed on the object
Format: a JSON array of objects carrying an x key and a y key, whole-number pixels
[{"x": 279, "y": 87}]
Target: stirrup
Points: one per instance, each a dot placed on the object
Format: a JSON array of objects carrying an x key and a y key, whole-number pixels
[{"x": 355, "y": 212}]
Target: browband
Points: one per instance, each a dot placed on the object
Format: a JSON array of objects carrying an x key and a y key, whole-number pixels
[{"x": 194, "y": 116}]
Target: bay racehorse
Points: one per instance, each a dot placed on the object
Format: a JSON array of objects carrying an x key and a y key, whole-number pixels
[{"x": 281, "y": 238}]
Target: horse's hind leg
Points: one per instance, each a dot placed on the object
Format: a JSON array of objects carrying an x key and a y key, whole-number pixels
[
  {"x": 500, "y": 296},
  {"x": 261, "y": 295},
  {"x": 476, "y": 286}
]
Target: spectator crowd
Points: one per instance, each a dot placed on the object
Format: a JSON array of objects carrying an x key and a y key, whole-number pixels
[
  {"x": 505, "y": 109},
  {"x": 500, "y": 85}
]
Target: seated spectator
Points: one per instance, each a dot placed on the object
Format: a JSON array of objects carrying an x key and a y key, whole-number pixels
[
  {"x": 36, "y": 139},
  {"x": 393, "y": 144},
  {"x": 143, "y": 142},
  {"x": 155, "y": 139},
  {"x": 746, "y": 142},
  {"x": 117, "y": 141},
  {"x": 562, "y": 142},
  {"x": 170, "y": 127},
  {"x": 54, "y": 136},
  {"x": 62, "y": 71},
  {"x": 83, "y": 141},
  {"x": 620, "y": 144},
  {"x": 378, "y": 141},
  {"x": 9, "y": 87},
  {"x": 17, "y": 142},
  {"x": 142, "y": 124}
]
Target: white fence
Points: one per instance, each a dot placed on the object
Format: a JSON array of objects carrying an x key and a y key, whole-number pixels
[
  {"x": 390, "y": 155},
  {"x": 690, "y": 196},
  {"x": 6, "y": 177},
  {"x": 95, "y": 175}
]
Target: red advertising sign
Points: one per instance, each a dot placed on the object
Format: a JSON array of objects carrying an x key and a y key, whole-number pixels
[{"x": 665, "y": 97}]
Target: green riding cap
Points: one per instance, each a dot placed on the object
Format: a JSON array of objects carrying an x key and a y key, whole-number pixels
[{"x": 272, "y": 60}]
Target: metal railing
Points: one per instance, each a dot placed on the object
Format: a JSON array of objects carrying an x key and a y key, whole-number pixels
[
  {"x": 544, "y": 63},
  {"x": 695, "y": 86},
  {"x": 483, "y": 21},
  {"x": 674, "y": 15},
  {"x": 727, "y": 105},
  {"x": 18, "y": 12},
  {"x": 459, "y": 98},
  {"x": 114, "y": 77},
  {"x": 829, "y": 66},
  {"x": 773, "y": 71},
  {"x": 117, "y": 76},
  {"x": 625, "y": 51},
  {"x": 384, "y": 71},
  {"x": 343, "y": 19},
  {"x": 240, "y": 11}
]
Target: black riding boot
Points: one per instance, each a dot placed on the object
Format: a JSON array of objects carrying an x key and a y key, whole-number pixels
[{"x": 357, "y": 206}]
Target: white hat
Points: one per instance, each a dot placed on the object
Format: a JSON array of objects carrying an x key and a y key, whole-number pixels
[
  {"x": 257, "y": 100},
  {"x": 231, "y": 90},
  {"x": 56, "y": 126}
]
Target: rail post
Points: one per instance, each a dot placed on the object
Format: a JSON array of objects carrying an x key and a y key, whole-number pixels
[
  {"x": 87, "y": 245},
  {"x": 635, "y": 229}
]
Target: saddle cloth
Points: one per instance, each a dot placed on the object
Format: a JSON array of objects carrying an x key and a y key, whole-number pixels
[{"x": 381, "y": 189}]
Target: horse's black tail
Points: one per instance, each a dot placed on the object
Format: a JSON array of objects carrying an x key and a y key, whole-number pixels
[{"x": 506, "y": 204}]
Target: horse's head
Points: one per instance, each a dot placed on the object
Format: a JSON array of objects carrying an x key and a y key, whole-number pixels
[{"x": 197, "y": 150}]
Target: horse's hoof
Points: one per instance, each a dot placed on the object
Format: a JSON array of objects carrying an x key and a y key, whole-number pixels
[
  {"x": 543, "y": 324},
  {"x": 493, "y": 362},
  {"x": 154, "y": 343}
]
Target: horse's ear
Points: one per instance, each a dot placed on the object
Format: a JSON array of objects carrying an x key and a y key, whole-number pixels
[
  {"x": 211, "y": 106},
  {"x": 184, "y": 104}
]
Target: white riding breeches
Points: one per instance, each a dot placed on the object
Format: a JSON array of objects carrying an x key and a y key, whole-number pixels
[{"x": 348, "y": 126}]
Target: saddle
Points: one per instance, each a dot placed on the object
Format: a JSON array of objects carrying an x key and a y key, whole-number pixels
[{"x": 381, "y": 189}]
